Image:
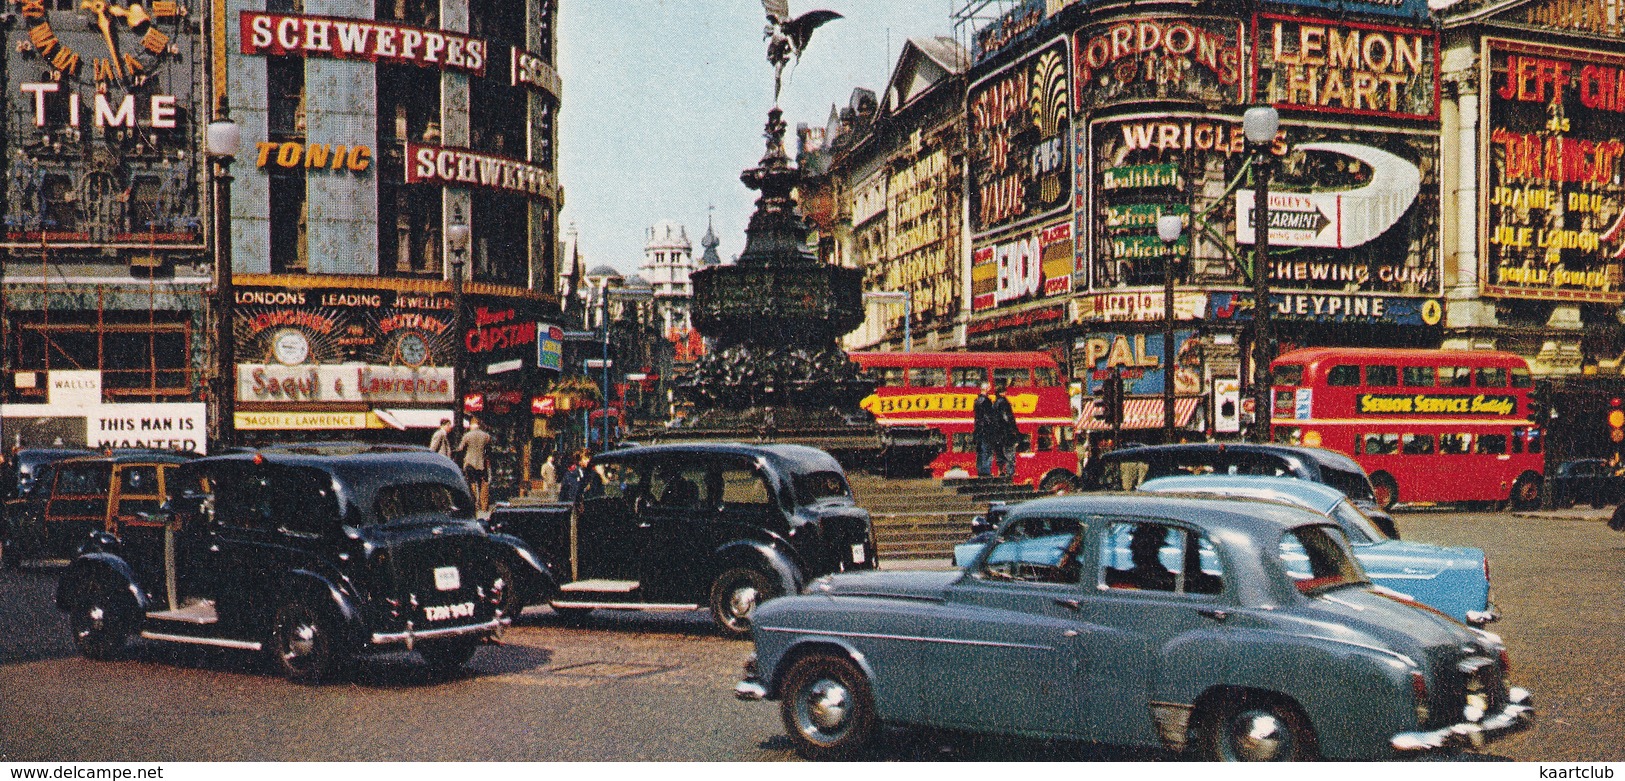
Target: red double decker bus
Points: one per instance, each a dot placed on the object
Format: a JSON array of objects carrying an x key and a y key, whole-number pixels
[
  {"x": 938, "y": 390},
  {"x": 1429, "y": 426}
]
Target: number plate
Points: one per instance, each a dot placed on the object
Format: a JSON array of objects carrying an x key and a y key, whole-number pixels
[
  {"x": 447, "y": 579},
  {"x": 447, "y": 612},
  {"x": 857, "y": 553}
]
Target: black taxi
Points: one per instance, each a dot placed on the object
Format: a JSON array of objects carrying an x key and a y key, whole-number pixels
[{"x": 310, "y": 554}]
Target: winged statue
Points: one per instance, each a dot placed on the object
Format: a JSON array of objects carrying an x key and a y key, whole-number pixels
[{"x": 788, "y": 37}]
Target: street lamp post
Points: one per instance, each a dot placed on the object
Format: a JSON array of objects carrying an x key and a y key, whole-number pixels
[
  {"x": 1261, "y": 124},
  {"x": 457, "y": 242},
  {"x": 222, "y": 140},
  {"x": 603, "y": 314},
  {"x": 1169, "y": 227},
  {"x": 906, "y": 298}
]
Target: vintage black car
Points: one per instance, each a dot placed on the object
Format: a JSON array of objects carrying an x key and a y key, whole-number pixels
[
  {"x": 312, "y": 554},
  {"x": 64, "y": 495},
  {"x": 1590, "y": 480},
  {"x": 1125, "y": 468},
  {"x": 674, "y": 527}
]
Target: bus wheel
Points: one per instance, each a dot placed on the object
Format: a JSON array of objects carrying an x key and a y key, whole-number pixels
[
  {"x": 1385, "y": 489},
  {"x": 1526, "y": 492},
  {"x": 1058, "y": 483}
]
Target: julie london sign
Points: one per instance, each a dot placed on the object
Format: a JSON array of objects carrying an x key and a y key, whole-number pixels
[
  {"x": 444, "y": 165},
  {"x": 1553, "y": 203}
]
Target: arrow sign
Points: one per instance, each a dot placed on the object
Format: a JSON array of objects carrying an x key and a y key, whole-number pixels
[{"x": 1337, "y": 219}]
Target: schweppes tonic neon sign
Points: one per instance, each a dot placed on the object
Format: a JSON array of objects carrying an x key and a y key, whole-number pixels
[
  {"x": 1434, "y": 404},
  {"x": 914, "y": 403}
]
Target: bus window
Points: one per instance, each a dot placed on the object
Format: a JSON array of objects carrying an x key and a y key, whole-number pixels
[
  {"x": 928, "y": 377},
  {"x": 1455, "y": 444},
  {"x": 969, "y": 376},
  {"x": 1416, "y": 444},
  {"x": 1011, "y": 377},
  {"x": 1420, "y": 376},
  {"x": 1492, "y": 444},
  {"x": 1492, "y": 377},
  {"x": 1345, "y": 375},
  {"x": 1289, "y": 374},
  {"x": 889, "y": 376},
  {"x": 1379, "y": 444},
  {"x": 1535, "y": 437},
  {"x": 1521, "y": 378},
  {"x": 1516, "y": 441},
  {"x": 1045, "y": 376},
  {"x": 1044, "y": 440},
  {"x": 963, "y": 443},
  {"x": 1455, "y": 376},
  {"x": 1381, "y": 376}
]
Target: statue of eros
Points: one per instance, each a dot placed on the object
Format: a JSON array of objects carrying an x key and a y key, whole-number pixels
[{"x": 787, "y": 37}]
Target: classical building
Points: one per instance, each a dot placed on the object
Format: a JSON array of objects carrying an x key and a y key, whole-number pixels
[{"x": 668, "y": 259}]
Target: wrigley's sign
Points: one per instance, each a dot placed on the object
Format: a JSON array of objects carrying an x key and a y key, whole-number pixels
[{"x": 444, "y": 165}]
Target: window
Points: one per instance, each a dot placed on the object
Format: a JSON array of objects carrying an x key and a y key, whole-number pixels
[
  {"x": 1381, "y": 376},
  {"x": 742, "y": 485},
  {"x": 814, "y": 486},
  {"x": 1455, "y": 376},
  {"x": 962, "y": 442},
  {"x": 1416, "y": 444},
  {"x": 1492, "y": 377},
  {"x": 890, "y": 376},
  {"x": 968, "y": 376},
  {"x": 82, "y": 479},
  {"x": 1521, "y": 379},
  {"x": 138, "y": 490},
  {"x": 1534, "y": 437},
  {"x": 1421, "y": 376},
  {"x": 1345, "y": 376},
  {"x": 1012, "y": 377},
  {"x": 1154, "y": 557},
  {"x": 1317, "y": 561},
  {"x": 1352, "y": 482},
  {"x": 1046, "y": 376},
  {"x": 399, "y": 501},
  {"x": 1036, "y": 550},
  {"x": 1287, "y": 374},
  {"x": 1125, "y": 474},
  {"x": 1378, "y": 444},
  {"x": 678, "y": 486},
  {"x": 1492, "y": 444},
  {"x": 1355, "y": 525},
  {"x": 1455, "y": 444},
  {"x": 928, "y": 377}
]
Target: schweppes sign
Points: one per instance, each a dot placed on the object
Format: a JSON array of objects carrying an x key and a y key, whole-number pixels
[
  {"x": 1436, "y": 404},
  {"x": 953, "y": 403}
]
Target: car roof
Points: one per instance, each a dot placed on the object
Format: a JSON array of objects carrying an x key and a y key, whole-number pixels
[
  {"x": 360, "y": 472},
  {"x": 793, "y": 458},
  {"x": 1318, "y": 455},
  {"x": 1302, "y": 493},
  {"x": 1260, "y": 520},
  {"x": 132, "y": 456}
]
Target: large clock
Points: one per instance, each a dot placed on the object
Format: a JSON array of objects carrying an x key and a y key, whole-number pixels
[{"x": 116, "y": 47}]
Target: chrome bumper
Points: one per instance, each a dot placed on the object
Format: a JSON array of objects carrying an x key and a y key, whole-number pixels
[
  {"x": 750, "y": 689},
  {"x": 411, "y": 636},
  {"x": 1517, "y": 716},
  {"x": 1479, "y": 618}
]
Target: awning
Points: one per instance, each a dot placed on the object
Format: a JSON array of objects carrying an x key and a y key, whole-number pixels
[
  {"x": 403, "y": 419},
  {"x": 1140, "y": 414}
]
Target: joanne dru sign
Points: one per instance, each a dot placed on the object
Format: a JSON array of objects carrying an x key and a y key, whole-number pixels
[
  {"x": 360, "y": 39},
  {"x": 444, "y": 165},
  {"x": 1436, "y": 404}
]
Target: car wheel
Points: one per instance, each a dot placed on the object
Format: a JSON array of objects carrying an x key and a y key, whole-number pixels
[
  {"x": 1385, "y": 490},
  {"x": 448, "y": 656},
  {"x": 1598, "y": 502},
  {"x": 513, "y": 601},
  {"x": 1525, "y": 493},
  {"x": 102, "y": 621},
  {"x": 734, "y": 597},
  {"x": 1058, "y": 483},
  {"x": 1253, "y": 730},
  {"x": 1617, "y": 521},
  {"x": 828, "y": 708},
  {"x": 302, "y": 643}
]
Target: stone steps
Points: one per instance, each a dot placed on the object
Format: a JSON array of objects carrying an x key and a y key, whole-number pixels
[{"x": 922, "y": 518}]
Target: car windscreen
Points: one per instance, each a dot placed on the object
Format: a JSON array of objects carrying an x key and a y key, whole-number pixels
[
  {"x": 814, "y": 487},
  {"x": 1355, "y": 525},
  {"x": 1354, "y": 485},
  {"x": 1316, "y": 559},
  {"x": 404, "y": 500}
]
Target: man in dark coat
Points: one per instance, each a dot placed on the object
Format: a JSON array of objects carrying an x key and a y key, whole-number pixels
[{"x": 994, "y": 431}]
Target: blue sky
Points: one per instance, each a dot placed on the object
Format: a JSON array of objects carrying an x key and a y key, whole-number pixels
[{"x": 664, "y": 102}]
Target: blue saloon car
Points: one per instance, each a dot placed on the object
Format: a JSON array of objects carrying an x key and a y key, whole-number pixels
[
  {"x": 1262, "y": 640},
  {"x": 1453, "y": 580}
]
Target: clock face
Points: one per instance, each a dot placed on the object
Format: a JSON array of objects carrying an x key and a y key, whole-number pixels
[
  {"x": 290, "y": 347},
  {"x": 413, "y": 351},
  {"x": 117, "y": 47}
]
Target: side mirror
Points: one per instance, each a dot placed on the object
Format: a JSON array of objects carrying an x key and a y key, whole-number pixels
[{"x": 980, "y": 525}]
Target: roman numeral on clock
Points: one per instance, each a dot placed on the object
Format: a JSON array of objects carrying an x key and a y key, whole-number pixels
[{"x": 155, "y": 41}]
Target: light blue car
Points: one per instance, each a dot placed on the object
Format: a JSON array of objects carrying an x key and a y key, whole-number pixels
[{"x": 1455, "y": 581}]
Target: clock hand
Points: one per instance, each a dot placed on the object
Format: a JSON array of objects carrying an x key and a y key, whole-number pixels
[{"x": 99, "y": 8}]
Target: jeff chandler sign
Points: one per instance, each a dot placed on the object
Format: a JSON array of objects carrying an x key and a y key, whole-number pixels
[
  {"x": 444, "y": 165},
  {"x": 360, "y": 39}
]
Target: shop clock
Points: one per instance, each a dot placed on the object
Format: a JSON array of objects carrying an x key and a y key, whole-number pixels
[{"x": 115, "y": 47}]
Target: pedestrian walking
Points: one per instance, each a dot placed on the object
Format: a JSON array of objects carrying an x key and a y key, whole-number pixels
[
  {"x": 475, "y": 466},
  {"x": 440, "y": 441},
  {"x": 993, "y": 431},
  {"x": 550, "y": 478},
  {"x": 576, "y": 477}
]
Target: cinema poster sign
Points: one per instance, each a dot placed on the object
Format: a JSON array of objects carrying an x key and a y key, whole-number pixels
[
  {"x": 457, "y": 167},
  {"x": 1552, "y": 184},
  {"x": 301, "y": 35},
  {"x": 1492, "y": 404},
  {"x": 1347, "y": 67},
  {"x": 1159, "y": 58},
  {"x": 1019, "y": 158},
  {"x": 1028, "y": 266}
]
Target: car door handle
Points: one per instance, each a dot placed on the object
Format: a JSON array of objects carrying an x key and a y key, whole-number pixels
[
  {"x": 1071, "y": 604},
  {"x": 214, "y": 548},
  {"x": 644, "y": 525},
  {"x": 1215, "y": 613}
]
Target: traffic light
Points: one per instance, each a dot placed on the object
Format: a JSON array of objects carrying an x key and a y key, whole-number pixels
[
  {"x": 1540, "y": 403},
  {"x": 1112, "y": 392},
  {"x": 1616, "y": 421}
]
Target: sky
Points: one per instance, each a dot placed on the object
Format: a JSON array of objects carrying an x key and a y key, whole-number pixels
[{"x": 664, "y": 101}]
